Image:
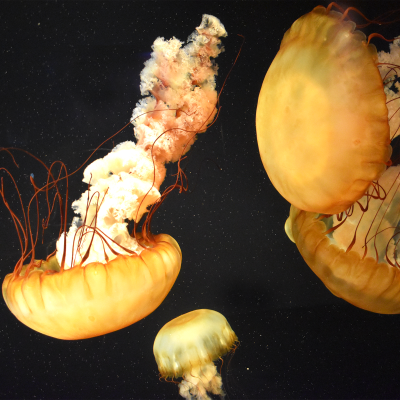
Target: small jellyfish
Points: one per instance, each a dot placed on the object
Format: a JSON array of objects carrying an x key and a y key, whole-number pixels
[{"x": 187, "y": 346}]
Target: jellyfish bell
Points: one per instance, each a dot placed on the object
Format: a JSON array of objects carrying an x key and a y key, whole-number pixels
[
  {"x": 187, "y": 346},
  {"x": 356, "y": 253},
  {"x": 83, "y": 302},
  {"x": 102, "y": 277},
  {"x": 356, "y": 256},
  {"x": 322, "y": 120}
]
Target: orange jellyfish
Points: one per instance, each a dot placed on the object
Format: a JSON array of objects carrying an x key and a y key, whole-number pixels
[
  {"x": 356, "y": 253},
  {"x": 322, "y": 120},
  {"x": 101, "y": 277},
  {"x": 327, "y": 153},
  {"x": 187, "y": 346}
]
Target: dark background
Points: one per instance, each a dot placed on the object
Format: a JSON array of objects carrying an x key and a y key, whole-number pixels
[{"x": 70, "y": 79}]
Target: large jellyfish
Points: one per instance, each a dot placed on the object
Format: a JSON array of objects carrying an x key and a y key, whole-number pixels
[
  {"x": 102, "y": 277},
  {"x": 331, "y": 152},
  {"x": 322, "y": 120},
  {"x": 356, "y": 254},
  {"x": 187, "y": 346}
]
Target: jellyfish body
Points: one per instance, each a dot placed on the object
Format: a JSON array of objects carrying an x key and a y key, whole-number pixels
[
  {"x": 322, "y": 120},
  {"x": 83, "y": 302},
  {"x": 102, "y": 277},
  {"x": 356, "y": 258},
  {"x": 187, "y": 346}
]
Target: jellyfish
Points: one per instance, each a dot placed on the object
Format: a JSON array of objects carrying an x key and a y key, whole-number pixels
[
  {"x": 102, "y": 277},
  {"x": 187, "y": 346},
  {"x": 327, "y": 112},
  {"x": 322, "y": 118},
  {"x": 356, "y": 253}
]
